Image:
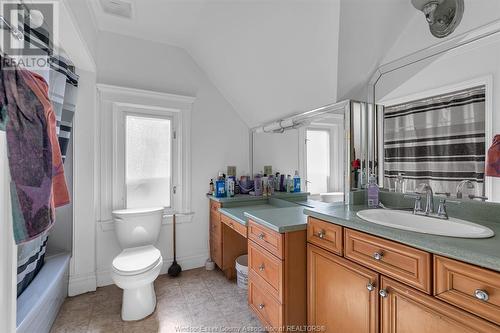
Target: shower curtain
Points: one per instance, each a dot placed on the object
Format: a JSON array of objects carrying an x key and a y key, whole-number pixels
[{"x": 438, "y": 140}]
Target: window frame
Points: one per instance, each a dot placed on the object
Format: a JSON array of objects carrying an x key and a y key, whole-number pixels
[{"x": 113, "y": 101}]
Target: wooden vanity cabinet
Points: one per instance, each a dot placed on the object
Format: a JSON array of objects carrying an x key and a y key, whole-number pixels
[
  {"x": 403, "y": 299},
  {"x": 342, "y": 296},
  {"x": 215, "y": 233},
  {"x": 406, "y": 310},
  {"x": 277, "y": 277}
]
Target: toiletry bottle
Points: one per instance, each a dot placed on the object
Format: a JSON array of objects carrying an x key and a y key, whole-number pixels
[
  {"x": 265, "y": 186},
  {"x": 212, "y": 187},
  {"x": 373, "y": 192},
  {"x": 270, "y": 182},
  {"x": 220, "y": 188},
  {"x": 230, "y": 186},
  {"x": 289, "y": 184},
  {"x": 296, "y": 182},
  {"x": 257, "y": 185},
  {"x": 277, "y": 182},
  {"x": 282, "y": 183}
]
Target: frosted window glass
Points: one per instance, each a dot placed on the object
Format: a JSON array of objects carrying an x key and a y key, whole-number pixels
[
  {"x": 318, "y": 161},
  {"x": 148, "y": 156}
]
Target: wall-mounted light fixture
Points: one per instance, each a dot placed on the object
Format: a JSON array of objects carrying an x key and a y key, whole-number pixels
[{"x": 443, "y": 16}]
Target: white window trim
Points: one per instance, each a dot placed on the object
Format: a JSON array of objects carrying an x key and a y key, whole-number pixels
[
  {"x": 336, "y": 131},
  {"x": 113, "y": 102},
  {"x": 120, "y": 112}
]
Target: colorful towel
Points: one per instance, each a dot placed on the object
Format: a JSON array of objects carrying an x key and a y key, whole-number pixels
[
  {"x": 41, "y": 89},
  {"x": 29, "y": 152},
  {"x": 493, "y": 159}
]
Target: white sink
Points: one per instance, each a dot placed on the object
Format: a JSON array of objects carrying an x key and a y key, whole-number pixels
[{"x": 404, "y": 220}]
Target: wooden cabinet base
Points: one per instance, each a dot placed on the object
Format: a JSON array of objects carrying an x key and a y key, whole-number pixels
[
  {"x": 407, "y": 310},
  {"x": 339, "y": 295}
]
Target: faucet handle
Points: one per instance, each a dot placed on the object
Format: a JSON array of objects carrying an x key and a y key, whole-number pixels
[
  {"x": 441, "y": 212},
  {"x": 418, "y": 202}
]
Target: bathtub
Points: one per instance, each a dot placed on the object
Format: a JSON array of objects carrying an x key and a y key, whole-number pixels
[{"x": 38, "y": 305}]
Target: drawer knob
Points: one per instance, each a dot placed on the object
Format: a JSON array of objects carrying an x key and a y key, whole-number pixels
[
  {"x": 261, "y": 267},
  {"x": 370, "y": 287},
  {"x": 261, "y": 306},
  {"x": 261, "y": 236},
  {"x": 383, "y": 293},
  {"x": 377, "y": 256},
  {"x": 321, "y": 234},
  {"x": 481, "y": 295}
]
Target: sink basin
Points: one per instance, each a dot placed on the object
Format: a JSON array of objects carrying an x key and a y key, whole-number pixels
[{"x": 427, "y": 225}]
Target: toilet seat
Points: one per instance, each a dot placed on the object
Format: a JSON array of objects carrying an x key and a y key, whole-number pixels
[{"x": 136, "y": 260}]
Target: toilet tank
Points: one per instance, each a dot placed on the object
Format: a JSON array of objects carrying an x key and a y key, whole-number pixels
[{"x": 138, "y": 226}]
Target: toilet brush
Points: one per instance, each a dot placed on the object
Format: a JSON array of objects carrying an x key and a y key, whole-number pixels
[{"x": 175, "y": 269}]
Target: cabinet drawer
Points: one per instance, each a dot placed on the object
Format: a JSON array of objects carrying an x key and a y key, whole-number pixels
[
  {"x": 214, "y": 206},
  {"x": 236, "y": 226},
  {"x": 464, "y": 285},
  {"x": 398, "y": 261},
  {"x": 265, "y": 306},
  {"x": 268, "y": 239},
  {"x": 265, "y": 269},
  {"x": 325, "y": 235}
]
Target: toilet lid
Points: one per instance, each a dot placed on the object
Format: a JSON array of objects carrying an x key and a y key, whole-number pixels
[{"x": 136, "y": 260}]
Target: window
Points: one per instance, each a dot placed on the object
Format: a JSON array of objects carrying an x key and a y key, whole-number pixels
[
  {"x": 318, "y": 161},
  {"x": 148, "y": 161}
]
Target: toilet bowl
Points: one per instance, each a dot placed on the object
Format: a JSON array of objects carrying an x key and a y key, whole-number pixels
[{"x": 138, "y": 265}]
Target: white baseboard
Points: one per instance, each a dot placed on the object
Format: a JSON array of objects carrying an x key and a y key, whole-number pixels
[
  {"x": 190, "y": 262},
  {"x": 82, "y": 284}
]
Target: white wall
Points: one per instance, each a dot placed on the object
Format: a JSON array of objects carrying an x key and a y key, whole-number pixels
[
  {"x": 416, "y": 35},
  {"x": 476, "y": 60},
  {"x": 280, "y": 150},
  {"x": 218, "y": 136},
  {"x": 270, "y": 59}
]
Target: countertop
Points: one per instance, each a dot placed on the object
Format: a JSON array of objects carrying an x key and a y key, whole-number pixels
[
  {"x": 238, "y": 213},
  {"x": 276, "y": 214},
  {"x": 481, "y": 252},
  {"x": 280, "y": 219}
]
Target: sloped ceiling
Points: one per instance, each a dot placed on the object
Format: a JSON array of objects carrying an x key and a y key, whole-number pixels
[
  {"x": 274, "y": 58},
  {"x": 269, "y": 59}
]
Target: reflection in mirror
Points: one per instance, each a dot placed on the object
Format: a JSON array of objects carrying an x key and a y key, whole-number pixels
[
  {"x": 325, "y": 146},
  {"x": 439, "y": 141}
]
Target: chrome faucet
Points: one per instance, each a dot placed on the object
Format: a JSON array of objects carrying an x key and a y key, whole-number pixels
[
  {"x": 429, "y": 203},
  {"x": 429, "y": 198},
  {"x": 460, "y": 187}
]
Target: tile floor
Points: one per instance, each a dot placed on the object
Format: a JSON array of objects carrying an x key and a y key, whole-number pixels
[{"x": 197, "y": 301}]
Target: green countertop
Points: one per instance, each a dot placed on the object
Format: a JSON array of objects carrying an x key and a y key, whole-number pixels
[
  {"x": 238, "y": 213},
  {"x": 481, "y": 252},
  {"x": 281, "y": 220},
  {"x": 247, "y": 197}
]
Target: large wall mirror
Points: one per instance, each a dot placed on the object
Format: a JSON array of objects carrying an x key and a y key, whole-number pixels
[
  {"x": 325, "y": 146},
  {"x": 438, "y": 121}
]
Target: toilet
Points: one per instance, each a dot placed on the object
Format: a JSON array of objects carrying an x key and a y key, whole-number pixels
[{"x": 139, "y": 264}]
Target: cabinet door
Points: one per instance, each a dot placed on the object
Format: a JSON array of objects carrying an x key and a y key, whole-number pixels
[
  {"x": 342, "y": 295},
  {"x": 404, "y": 309}
]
